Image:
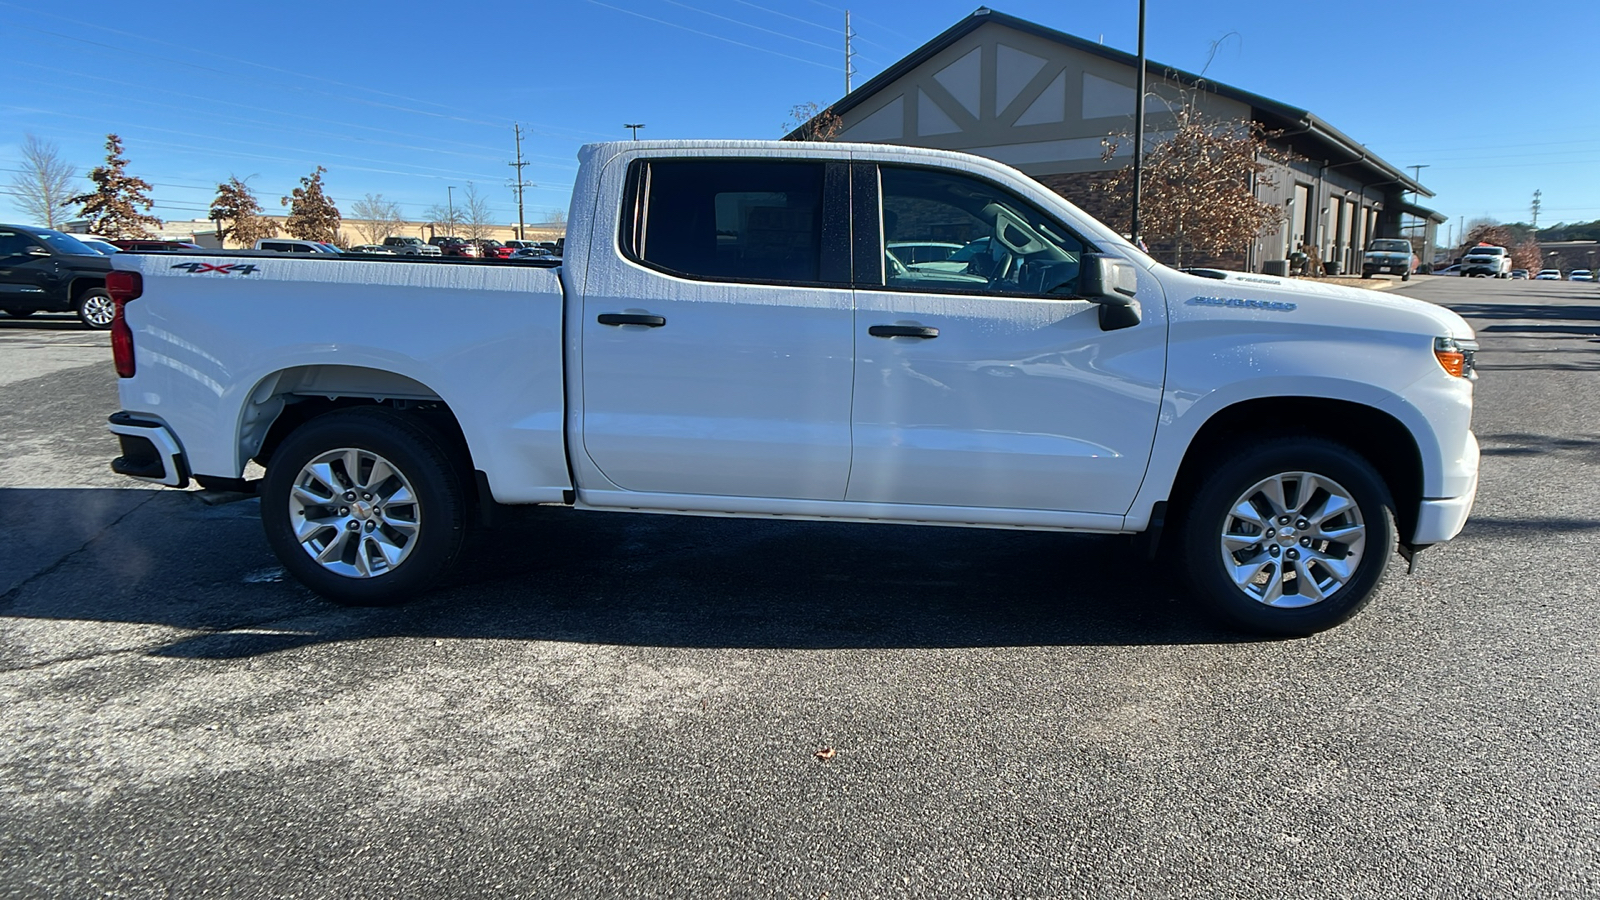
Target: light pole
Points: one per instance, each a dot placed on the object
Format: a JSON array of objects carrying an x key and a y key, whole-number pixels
[
  {"x": 450, "y": 207},
  {"x": 1138, "y": 132},
  {"x": 1416, "y": 195},
  {"x": 635, "y": 129}
]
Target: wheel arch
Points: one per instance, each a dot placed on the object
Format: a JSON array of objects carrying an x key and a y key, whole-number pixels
[
  {"x": 283, "y": 400},
  {"x": 1378, "y": 436}
]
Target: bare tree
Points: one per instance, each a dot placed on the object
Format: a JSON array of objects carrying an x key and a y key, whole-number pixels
[
  {"x": 1528, "y": 255},
  {"x": 312, "y": 215},
  {"x": 476, "y": 216},
  {"x": 113, "y": 207},
  {"x": 557, "y": 217},
  {"x": 236, "y": 204},
  {"x": 444, "y": 220},
  {"x": 43, "y": 187},
  {"x": 375, "y": 218},
  {"x": 1199, "y": 191},
  {"x": 810, "y": 122}
]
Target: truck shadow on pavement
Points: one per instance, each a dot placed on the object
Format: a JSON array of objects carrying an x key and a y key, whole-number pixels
[{"x": 206, "y": 574}]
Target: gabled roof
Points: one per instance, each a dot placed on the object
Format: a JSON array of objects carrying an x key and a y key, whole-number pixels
[{"x": 1292, "y": 121}]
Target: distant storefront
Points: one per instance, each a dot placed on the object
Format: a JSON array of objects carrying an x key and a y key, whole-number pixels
[{"x": 1042, "y": 101}]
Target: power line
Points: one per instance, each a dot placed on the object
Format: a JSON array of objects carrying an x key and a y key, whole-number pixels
[
  {"x": 715, "y": 37},
  {"x": 746, "y": 24}
]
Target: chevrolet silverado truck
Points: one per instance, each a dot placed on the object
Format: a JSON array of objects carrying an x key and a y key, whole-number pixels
[
  {"x": 729, "y": 335},
  {"x": 43, "y": 269},
  {"x": 1486, "y": 260}
]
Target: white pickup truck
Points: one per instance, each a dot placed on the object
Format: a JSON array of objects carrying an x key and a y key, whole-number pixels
[{"x": 728, "y": 335}]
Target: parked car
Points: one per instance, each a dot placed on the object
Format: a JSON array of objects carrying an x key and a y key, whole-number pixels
[
  {"x": 291, "y": 245},
  {"x": 145, "y": 245},
  {"x": 1580, "y": 275},
  {"x": 410, "y": 246},
  {"x": 1388, "y": 256},
  {"x": 1520, "y": 273},
  {"x": 1548, "y": 275},
  {"x": 911, "y": 253},
  {"x": 43, "y": 269},
  {"x": 1488, "y": 261},
  {"x": 492, "y": 249},
  {"x": 97, "y": 243},
  {"x": 372, "y": 250},
  {"x": 760, "y": 363},
  {"x": 531, "y": 253},
  {"x": 521, "y": 245},
  {"x": 461, "y": 247}
]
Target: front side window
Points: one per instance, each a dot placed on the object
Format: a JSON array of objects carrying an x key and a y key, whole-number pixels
[
  {"x": 15, "y": 243},
  {"x": 728, "y": 220},
  {"x": 988, "y": 240}
]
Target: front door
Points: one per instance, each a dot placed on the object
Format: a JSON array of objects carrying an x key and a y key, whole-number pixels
[
  {"x": 979, "y": 380},
  {"x": 29, "y": 274},
  {"x": 717, "y": 343}
]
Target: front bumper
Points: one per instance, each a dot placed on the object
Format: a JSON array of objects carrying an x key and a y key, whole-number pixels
[
  {"x": 1440, "y": 520},
  {"x": 149, "y": 451}
]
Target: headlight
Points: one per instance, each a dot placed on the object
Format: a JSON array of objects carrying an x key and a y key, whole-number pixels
[{"x": 1456, "y": 356}]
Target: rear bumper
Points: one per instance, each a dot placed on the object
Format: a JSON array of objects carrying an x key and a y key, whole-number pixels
[{"x": 149, "y": 451}]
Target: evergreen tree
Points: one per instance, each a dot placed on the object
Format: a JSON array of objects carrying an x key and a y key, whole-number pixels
[
  {"x": 312, "y": 216},
  {"x": 114, "y": 207}
]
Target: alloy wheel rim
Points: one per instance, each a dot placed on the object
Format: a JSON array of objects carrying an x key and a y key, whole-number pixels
[
  {"x": 1293, "y": 540},
  {"x": 354, "y": 513},
  {"x": 99, "y": 310}
]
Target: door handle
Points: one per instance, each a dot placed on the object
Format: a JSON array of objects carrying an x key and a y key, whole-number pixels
[
  {"x": 916, "y": 331},
  {"x": 632, "y": 319}
]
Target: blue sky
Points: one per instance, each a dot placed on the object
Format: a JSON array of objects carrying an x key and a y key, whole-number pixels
[{"x": 404, "y": 99}]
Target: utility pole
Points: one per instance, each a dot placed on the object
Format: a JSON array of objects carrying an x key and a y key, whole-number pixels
[
  {"x": 519, "y": 184},
  {"x": 450, "y": 205},
  {"x": 1536, "y": 196},
  {"x": 1138, "y": 132},
  {"x": 635, "y": 129},
  {"x": 849, "y": 52},
  {"x": 1416, "y": 196}
]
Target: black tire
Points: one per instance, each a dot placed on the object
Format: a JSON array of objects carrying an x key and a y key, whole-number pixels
[
  {"x": 1210, "y": 512},
  {"x": 20, "y": 313},
  {"x": 419, "y": 456},
  {"x": 95, "y": 309},
  {"x": 1405, "y": 276},
  {"x": 1366, "y": 274}
]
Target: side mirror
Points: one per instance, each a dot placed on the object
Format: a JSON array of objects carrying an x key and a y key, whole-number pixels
[{"x": 1112, "y": 283}]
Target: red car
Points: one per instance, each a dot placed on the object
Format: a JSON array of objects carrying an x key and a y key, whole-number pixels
[
  {"x": 493, "y": 249},
  {"x": 462, "y": 248}
]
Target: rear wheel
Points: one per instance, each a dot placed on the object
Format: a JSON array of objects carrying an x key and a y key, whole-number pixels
[
  {"x": 1289, "y": 538},
  {"x": 1405, "y": 276},
  {"x": 96, "y": 310},
  {"x": 364, "y": 507}
]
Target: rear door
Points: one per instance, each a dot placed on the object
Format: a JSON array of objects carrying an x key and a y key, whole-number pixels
[{"x": 717, "y": 331}]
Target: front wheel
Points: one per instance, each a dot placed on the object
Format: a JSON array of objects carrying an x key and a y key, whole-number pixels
[
  {"x": 1405, "y": 276},
  {"x": 96, "y": 309},
  {"x": 364, "y": 507},
  {"x": 1290, "y": 538}
]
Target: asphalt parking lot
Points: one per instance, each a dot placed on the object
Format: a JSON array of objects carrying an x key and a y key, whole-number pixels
[{"x": 604, "y": 705}]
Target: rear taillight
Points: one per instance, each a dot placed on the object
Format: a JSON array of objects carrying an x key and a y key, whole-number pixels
[{"x": 123, "y": 286}]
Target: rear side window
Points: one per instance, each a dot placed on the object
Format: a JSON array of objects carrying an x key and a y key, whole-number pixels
[{"x": 733, "y": 220}]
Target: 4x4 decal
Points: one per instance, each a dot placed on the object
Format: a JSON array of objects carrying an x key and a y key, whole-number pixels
[{"x": 196, "y": 268}]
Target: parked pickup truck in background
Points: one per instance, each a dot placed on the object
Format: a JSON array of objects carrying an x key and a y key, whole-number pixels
[
  {"x": 1486, "y": 260},
  {"x": 730, "y": 336},
  {"x": 43, "y": 269},
  {"x": 1387, "y": 256}
]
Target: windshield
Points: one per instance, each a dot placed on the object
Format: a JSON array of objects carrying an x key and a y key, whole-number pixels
[
  {"x": 65, "y": 243},
  {"x": 1391, "y": 246},
  {"x": 1487, "y": 251}
]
